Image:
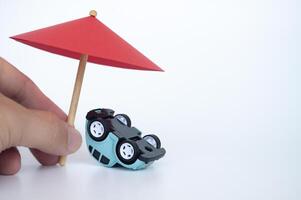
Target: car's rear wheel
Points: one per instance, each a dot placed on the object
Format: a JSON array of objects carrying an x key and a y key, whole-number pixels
[
  {"x": 127, "y": 151},
  {"x": 153, "y": 140},
  {"x": 124, "y": 119},
  {"x": 98, "y": 129}
]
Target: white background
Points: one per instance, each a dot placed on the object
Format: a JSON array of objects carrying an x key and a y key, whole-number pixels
[{"x": 227, "y": 109}]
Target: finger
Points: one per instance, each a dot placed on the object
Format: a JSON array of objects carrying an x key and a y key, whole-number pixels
[
  {"x": 10, "y": 161},
  {"x": 19, "y": 87},
  {"x": 44, "y": 158},
  {"x": 46, "y": 132},
  {"x": 42, "y": 130}
]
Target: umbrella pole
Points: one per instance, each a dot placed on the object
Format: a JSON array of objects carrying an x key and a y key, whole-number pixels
[{"x": 75, "y": 96}]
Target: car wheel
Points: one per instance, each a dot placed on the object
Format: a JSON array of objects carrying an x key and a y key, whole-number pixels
[
  {"x": 127, "y": 151},
  {"x": 98, "y": 129},
  {"x": 153, "y": 140},
  {"x": 124, "y": 119}
]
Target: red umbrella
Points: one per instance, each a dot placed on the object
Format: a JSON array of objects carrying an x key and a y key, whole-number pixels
[{"x": 90, "y": 40}]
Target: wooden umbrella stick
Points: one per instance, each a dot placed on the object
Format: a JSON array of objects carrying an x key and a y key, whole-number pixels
[{"x": 75, "y": 96}]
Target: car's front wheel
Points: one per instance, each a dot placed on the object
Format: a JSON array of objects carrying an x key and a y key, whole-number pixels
[
  {"x": 98, "y": 129},
  {"x": 127, "y": 151}
]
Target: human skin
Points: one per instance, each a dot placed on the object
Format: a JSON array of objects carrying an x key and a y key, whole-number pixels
[{"x": 28, "y": 118}]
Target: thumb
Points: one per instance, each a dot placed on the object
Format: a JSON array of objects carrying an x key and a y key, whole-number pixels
[
  {"x": 35, "y": 129},
  {"x": 46, "y": 132}
]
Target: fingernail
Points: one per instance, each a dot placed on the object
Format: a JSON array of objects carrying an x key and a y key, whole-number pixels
[{"x": 74, "y": 140}]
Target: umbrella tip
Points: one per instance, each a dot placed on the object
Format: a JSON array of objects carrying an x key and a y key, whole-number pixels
[{"x": 93, "y": 13}]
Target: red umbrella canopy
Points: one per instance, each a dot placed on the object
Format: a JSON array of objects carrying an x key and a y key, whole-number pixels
[{"x": 91, "y": 37}]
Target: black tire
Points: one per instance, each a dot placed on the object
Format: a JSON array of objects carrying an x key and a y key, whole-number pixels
[
  {"x": 155, "y": 138},
  {"x": 126, "y": 121},
  {"x": 96, "y": 132},
  {"x": 122, "y": 156}
]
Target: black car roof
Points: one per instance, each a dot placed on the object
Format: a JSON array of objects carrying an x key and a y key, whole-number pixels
[{"x": 100, "y": 112}]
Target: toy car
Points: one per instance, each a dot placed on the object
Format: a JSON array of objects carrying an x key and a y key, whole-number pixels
[{"x": 113, "y": 142}]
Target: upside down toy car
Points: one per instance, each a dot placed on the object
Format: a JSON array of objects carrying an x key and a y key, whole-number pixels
[{"x": 112, "y": 141}]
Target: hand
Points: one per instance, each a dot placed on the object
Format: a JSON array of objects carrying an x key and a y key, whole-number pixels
[{"x": 28, "y": 118}]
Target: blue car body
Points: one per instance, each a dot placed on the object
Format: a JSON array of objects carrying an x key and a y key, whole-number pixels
[{"x": 104, "y": 151}]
